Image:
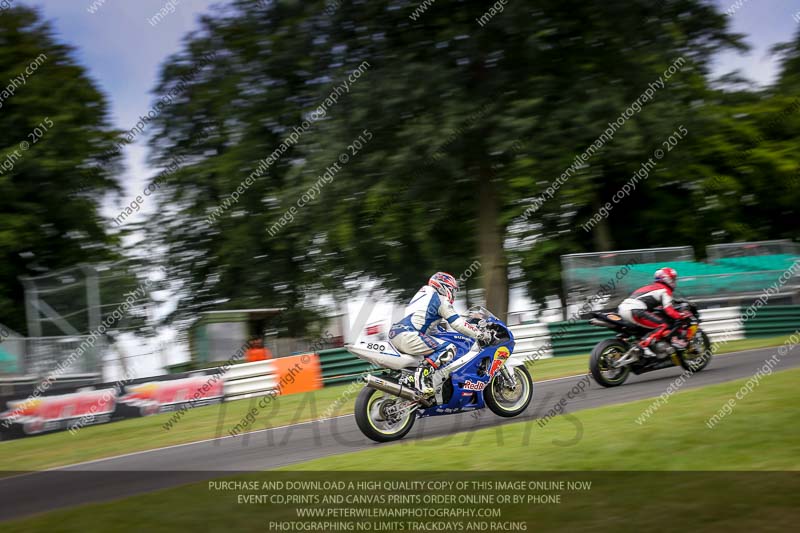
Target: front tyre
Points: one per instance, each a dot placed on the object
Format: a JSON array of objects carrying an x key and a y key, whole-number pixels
[
  {"x": 600, "y": 363},
  {"x": 377, "y": 417},
  {"x": 506, "y": 399},
  {"x": 698, "y": 354}
]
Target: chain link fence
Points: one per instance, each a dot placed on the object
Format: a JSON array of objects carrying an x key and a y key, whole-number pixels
[
  {"x": 733, "y": 272},
  {"x": 583, "y": 275}
]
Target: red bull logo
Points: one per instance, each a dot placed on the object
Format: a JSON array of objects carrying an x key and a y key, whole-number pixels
[{"x": 474, "y": 385}]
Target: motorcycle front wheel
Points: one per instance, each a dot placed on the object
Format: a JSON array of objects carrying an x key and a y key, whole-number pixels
[
  {"x": 506, "y": 400},
  {"x": 375, "y": 416},
  {"x": 603, "y": 354},
  {"x": 698, "y": 354}
]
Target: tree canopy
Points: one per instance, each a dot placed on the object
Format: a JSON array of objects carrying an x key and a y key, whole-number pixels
[
  {"x": 55, "y": 127},
  {"x": 463, "y": 123}
]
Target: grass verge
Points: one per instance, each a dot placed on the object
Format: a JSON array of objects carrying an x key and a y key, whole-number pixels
[
  {"x": 127, "y": 436},
  {"x": 760, "y": 434}
]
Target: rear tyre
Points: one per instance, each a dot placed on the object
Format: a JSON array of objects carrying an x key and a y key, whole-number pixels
[
  {"x": 505, "y": 401},
  {"x": 603, "y": 354},
  {"x": 374, "y": 420},
  {"x": 698, "y": 354}
]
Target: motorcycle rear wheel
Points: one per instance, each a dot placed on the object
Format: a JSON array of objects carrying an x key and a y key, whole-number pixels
[
  {"x": 372, "y": 420},
  {"x": 599, "y": 363}
]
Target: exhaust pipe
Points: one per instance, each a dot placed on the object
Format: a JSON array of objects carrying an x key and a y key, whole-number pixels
[{"x": 390, "y": 387}]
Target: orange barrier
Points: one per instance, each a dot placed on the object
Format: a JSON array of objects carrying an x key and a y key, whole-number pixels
[{"x": 298, "y": 373}]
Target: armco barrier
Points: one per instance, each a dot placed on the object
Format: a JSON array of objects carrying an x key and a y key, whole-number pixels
[
  {"x": 722, "y": 323},
  {"x": 73, "y": 408},
  {"x": 246, "y": 380},
  {"x": 285, "y": 375},
  {"x": 577, "y": 338},
  {"x": 531, "y": 340},
  {"x": 772, "y": 321},
  {"x": 339, "y": 366}
]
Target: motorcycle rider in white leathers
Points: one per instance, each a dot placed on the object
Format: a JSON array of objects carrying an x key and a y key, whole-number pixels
[{"x": 429, "y": 310}]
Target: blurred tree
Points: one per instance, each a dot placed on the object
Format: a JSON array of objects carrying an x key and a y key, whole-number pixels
[
  {"x": 228, "y": 118},
  {"x": 474, "y": 119},
  {"x": 48, "y": 210},
  {"x": 765, "y": 168},
  {"x": 470, "y": 119},
  {"x": 743, "y": 183}
]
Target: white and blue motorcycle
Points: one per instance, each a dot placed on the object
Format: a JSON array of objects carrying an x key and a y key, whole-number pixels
[{"x": 480, "y": 375}]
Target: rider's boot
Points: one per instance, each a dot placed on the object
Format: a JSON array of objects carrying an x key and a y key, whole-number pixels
[
  {"x": 423, "y": 376},
  {"x": 644, "y": 348}
]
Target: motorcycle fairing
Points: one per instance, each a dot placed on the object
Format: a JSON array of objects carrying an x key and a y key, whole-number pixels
[{"x": 468, "y": 381}]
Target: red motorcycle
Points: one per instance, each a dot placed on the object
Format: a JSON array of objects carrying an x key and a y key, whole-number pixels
[{"x": 613, "y": 360}]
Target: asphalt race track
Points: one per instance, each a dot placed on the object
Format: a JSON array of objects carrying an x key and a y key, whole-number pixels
[{"x": 123, "y": 476}]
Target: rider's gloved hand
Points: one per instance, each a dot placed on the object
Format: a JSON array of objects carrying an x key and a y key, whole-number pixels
[
  {"x": 685, "y": 315},
  {"x": 485, "y": 336}
]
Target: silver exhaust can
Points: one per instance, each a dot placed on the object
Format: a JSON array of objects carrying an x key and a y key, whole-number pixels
[{"x": 390, "y": 387}]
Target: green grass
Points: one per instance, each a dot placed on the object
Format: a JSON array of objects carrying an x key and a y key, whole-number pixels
[
  {"x": 136, "y": 434},
  {"x": 760, "y": 434},
  {"x": 127, "y": 436}
]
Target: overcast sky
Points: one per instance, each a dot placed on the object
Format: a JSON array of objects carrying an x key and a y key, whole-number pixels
[{"x": 123, "y": 53}]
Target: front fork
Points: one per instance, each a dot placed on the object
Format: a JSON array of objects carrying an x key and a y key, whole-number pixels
[{"x": 508, "y": 376}]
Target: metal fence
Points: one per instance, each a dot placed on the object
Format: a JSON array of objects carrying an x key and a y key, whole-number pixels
[
  {"x": 74, "y": 301},
  {"x": 614, "y": 274},
  {"x": 754, "y": 248},
  {"x": 64, "y": 307},
  {"x": 734, "y": 273},
  {"x": 45, "y": 354}
]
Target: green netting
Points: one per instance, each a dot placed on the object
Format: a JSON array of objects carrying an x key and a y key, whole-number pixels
[
  {"x": 726, "y": 275},
  {"x": 759, "y": 262},
  {"x": 8, "y": 363}
]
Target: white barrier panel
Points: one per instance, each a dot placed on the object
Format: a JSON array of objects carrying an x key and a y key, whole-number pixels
[
  {"x": 529, "y": 339},
  {"x": 722, "y": 323},
  {"x": 250, "y": 379},
  {"x": 250, "y": 386},
  {"x": 246, "y": 370},
  {"x": 719, "y": 323}
]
